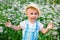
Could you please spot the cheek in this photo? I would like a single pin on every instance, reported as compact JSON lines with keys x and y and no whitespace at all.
{"x":28,"y":15}
{"x":36,"y":16}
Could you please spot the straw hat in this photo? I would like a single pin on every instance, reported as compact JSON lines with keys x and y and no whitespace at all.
{"x":34,"y":6}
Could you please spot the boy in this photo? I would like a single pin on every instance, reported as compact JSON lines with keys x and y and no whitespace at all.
{"x":31,"y":27}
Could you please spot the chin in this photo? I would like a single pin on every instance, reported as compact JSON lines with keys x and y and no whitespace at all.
{"x":33,"y":20}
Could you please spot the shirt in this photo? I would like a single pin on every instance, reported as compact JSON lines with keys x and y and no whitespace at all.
{"x":31,"y":27}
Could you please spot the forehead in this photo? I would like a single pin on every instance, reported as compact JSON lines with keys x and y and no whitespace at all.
{"x":32,"y":10}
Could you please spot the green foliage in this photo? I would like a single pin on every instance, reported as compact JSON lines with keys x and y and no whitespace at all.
{"x":13,"y":10}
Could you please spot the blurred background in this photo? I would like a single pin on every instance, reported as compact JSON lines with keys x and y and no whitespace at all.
{"x":13,"y":10}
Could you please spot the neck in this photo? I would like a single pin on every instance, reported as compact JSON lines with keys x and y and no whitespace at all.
{"x":31,"y":21}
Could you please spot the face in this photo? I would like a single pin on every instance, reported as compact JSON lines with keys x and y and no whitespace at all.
{"x":32,"y":14}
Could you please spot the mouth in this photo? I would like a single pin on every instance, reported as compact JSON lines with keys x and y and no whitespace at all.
{"x":33,"y":18}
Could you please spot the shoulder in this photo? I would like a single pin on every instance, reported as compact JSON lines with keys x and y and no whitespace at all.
{"x":39,"y":23}
{"x":23,"y":24}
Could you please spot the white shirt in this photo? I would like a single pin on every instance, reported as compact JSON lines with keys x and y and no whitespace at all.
{"x":23,"y":25}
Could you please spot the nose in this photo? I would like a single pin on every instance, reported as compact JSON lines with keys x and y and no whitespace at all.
{"x":33,"y":15}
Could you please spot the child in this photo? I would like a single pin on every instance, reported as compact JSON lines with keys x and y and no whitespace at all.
{"x":31,"y":27}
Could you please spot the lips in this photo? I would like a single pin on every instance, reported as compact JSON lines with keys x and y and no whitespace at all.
{"x":33,"y":18}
